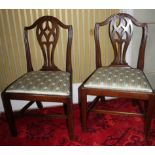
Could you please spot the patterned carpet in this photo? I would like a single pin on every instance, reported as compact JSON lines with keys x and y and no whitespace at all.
{"x":103,"y":129}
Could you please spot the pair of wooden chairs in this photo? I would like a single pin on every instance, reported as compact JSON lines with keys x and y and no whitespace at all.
{"x":53,"y":85}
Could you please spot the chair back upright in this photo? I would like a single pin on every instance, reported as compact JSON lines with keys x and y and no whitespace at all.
{"x":47,"y":32}
{"x":120,"y":33}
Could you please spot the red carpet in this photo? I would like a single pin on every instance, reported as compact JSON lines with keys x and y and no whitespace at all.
{"x":103,"y":129}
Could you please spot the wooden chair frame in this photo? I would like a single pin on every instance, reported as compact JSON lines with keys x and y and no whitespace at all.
{"x":48,"y":65}
{"x":119,"y":60}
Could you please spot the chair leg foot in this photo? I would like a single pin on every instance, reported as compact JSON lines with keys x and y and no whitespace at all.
{"x":9,"y":115}
{"x":72,"y":137}
{"x":70,"y":119}
{"x":148,"y":119}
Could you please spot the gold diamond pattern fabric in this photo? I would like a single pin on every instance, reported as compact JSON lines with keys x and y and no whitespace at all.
{"x":43,"y":82}
{"x":119,"y":78}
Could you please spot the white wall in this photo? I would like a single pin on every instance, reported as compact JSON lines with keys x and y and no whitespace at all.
{"x":148,"y":16}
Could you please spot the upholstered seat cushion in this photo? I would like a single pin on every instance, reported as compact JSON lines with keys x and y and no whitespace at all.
{"x":42,"y":82}
{"x":119,"y":78}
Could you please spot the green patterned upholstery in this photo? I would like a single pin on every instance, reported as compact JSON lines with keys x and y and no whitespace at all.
{"x":42,"y":82}
{"x":119,"y":78}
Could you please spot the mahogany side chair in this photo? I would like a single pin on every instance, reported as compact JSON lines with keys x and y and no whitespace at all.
{"x":49,"y":84}
{"x":118,"y":79}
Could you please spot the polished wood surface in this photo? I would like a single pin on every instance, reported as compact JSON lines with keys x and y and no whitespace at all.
{"x":120,"y":33}
{"x":47,"y":32}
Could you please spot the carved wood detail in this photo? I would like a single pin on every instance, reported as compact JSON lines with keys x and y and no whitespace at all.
{"x":47,"y":32}
{"x":120,"y":33}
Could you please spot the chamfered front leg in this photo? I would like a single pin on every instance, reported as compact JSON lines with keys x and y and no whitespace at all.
{"x":149,"y":115}
{"x":83,"y":108}
{"x":70,"y":118}
{"x":9,"y":114}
